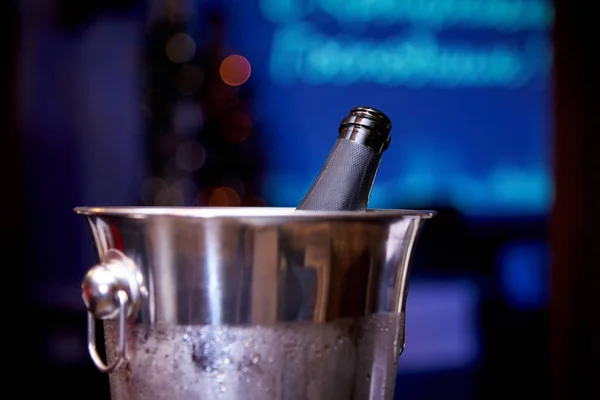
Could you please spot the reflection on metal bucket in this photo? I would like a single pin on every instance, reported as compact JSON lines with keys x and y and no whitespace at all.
{"x":250,"y":303}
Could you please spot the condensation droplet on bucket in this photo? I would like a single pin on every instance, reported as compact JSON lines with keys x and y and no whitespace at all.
{"x":227,"y":359}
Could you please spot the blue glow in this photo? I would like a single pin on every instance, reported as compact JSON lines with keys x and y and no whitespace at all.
{"x":524,"y":274}
{"x":442,"y":327}
{"x":502,"y":191}
{"x":466,"y":83}
{"x":496,"y":14}
{"x":302,"y":54}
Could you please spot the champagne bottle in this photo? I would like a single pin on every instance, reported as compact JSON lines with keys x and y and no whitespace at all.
{"x":346,"y":179}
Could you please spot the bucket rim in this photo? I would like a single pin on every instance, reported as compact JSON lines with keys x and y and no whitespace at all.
{"x":207,"y":212}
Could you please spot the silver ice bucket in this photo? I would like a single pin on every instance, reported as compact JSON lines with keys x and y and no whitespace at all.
{"x":249,"y":303}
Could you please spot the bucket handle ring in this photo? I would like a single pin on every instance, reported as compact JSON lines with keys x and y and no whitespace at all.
{"x":111,"y":290}
{"x":91,"y":334}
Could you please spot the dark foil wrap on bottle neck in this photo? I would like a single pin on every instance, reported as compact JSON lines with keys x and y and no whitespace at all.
{"x":346,"y":179}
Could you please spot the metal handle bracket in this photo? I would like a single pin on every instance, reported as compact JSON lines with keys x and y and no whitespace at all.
{"x":111,"y":290}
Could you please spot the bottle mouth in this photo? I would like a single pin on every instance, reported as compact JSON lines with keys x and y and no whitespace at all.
{"x":377,"y":119}
{"x":374,"y":124}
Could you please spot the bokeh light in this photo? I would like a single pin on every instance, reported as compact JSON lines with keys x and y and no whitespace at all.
{"x":157,"y":192}
{"x":175,"y":198}
{"x":224,"y":197}
{"x":236,"y":184}
{"x":180,"y":48}
{"x":235,"y":70}
{"x":190,"y":156}
{"x":154,"y":192}
{"x":188,"y":118}
{"x":187,"y":188}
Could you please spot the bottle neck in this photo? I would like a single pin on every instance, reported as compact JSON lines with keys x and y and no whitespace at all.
{"x":365,"y":136}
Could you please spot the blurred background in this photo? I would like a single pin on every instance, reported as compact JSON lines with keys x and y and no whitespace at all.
{"x":238,"y":102}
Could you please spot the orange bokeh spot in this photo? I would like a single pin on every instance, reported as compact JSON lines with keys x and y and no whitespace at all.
{"x":224,"y":197}
{"x":235,"y":70}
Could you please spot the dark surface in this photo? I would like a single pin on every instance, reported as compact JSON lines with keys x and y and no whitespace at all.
{"x":575,"y":228}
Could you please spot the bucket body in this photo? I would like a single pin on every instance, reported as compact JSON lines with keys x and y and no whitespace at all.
{"x":249,"y":303}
